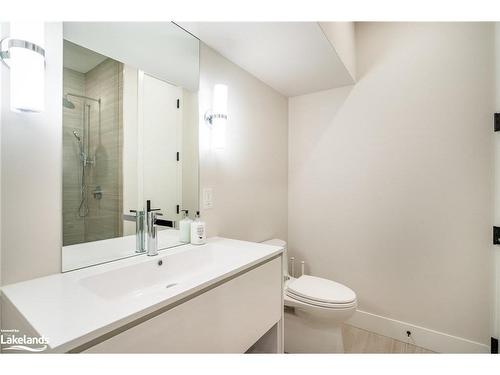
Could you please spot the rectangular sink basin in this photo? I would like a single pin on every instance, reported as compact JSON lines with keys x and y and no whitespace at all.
{"x":159,"y":272}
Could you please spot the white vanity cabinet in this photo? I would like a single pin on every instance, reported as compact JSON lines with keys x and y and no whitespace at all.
{"x":222,"y":297}
{"x":229,"y":318}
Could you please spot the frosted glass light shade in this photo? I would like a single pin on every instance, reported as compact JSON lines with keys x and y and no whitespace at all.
{"x":219,"y":106}
{"x":219,"y":119}
{"x":219,"y":134}
{"x":27,"y":69}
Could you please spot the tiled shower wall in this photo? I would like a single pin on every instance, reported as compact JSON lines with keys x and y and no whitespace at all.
{"x":73,"y":224}
{"x":105,"y":174}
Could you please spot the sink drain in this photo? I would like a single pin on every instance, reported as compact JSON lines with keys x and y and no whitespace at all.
{"x":171,"y":285}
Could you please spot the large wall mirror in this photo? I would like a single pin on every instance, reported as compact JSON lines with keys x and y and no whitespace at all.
{"x":130,"y":134}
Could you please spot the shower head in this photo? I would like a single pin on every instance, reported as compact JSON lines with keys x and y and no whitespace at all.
{"x":67,"y":103}
{"x":77,"y":136}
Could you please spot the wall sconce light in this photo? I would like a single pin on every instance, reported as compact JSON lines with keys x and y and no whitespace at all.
{"x":24,"y":55}
{"x":217,"y":117}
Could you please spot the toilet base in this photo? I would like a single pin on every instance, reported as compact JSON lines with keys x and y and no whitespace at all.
{"x":305,"y":333}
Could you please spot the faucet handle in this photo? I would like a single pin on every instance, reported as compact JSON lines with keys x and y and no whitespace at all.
{"x":148,"y":207}
{"x":152,"y":216}
{"x":136,"y":214}
{"x":154,"y":213}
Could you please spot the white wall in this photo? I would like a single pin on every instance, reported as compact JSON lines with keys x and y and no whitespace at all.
{"x":249,"y":177}
{"x":390,"y":180}
{"x":31,"y":157}
{"x":342,"y":37}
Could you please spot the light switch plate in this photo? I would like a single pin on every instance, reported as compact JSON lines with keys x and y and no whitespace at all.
{"x":208,"y":201}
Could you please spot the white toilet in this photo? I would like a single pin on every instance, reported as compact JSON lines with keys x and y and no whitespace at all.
{"x":315,"y":309}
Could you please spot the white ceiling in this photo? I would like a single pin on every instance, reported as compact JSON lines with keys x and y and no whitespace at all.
{"x":294,"y":58}
{"x":80,"y":59}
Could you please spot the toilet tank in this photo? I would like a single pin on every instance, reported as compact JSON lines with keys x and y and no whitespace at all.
{"x":280,"y":243}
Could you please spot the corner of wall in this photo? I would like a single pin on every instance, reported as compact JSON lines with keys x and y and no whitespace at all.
{"x":341,"y":36}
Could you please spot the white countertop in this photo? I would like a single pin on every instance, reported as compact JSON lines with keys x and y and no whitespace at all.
{"x":73,"y":308}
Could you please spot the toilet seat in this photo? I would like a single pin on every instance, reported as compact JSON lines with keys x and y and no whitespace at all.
{"x":321,"y":304}
{"x":321,"y":292}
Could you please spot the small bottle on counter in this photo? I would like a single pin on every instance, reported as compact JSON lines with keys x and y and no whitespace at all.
{"x":185,"y":227}
{"x":198,"y":231}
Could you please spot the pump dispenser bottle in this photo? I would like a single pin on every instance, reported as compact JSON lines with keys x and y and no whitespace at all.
{"x":198,"y":231}
{"x":185,"y":227}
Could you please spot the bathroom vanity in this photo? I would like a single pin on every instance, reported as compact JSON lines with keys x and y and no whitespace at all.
{"x":131,"y":147}
{"x":220,"y":297}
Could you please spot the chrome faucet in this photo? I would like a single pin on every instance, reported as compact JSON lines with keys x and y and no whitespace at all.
{"x":152,"y":239}
{"x":146,"y":225}
{"x":139,"y":218}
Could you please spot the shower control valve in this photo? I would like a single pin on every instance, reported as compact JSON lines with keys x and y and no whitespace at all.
{"x":97,"y":193}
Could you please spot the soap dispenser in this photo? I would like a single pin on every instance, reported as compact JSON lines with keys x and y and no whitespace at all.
{"x":185,"y":227}
{"x":198,"y":231}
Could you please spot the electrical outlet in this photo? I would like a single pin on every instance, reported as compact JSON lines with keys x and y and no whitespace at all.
{"x":208,"y":201}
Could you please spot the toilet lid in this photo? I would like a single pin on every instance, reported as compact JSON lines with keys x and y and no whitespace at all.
{"x":334,"y":306}
{"x":321,"y":290}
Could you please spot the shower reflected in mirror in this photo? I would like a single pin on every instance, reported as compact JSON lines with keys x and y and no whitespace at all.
{"x":91,"y":195}
{"x":85,"y":159}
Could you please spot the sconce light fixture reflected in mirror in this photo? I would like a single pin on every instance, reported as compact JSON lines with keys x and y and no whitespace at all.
{"x":217,"y":117}
{"x":24,"y":55}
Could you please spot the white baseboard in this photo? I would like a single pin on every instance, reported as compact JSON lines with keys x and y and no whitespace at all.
{"x":425,"y":338}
